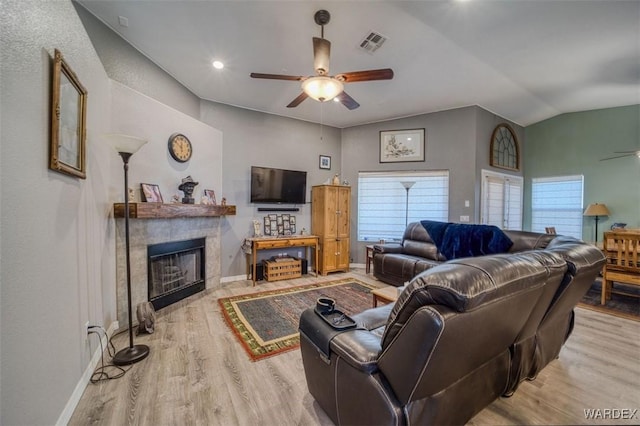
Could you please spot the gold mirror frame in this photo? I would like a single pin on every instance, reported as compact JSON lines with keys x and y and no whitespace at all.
{"x":67,"y":152}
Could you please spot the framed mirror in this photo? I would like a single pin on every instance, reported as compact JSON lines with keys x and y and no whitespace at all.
{"x":68,"y":116}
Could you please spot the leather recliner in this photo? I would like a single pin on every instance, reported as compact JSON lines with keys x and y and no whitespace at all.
{"x":460,"y":335}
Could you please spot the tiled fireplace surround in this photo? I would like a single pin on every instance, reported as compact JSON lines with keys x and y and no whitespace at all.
{"x":143,"y":232}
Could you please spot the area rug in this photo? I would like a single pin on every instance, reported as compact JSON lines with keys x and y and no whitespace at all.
{"x":619,"y":304}
{"x":266,"y":323}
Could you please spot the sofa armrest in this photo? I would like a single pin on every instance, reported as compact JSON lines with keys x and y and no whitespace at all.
{"x":359,"y":347}
{"x":387,"y":248}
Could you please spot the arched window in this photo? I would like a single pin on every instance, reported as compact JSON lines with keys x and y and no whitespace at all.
{"x":504,"y":148}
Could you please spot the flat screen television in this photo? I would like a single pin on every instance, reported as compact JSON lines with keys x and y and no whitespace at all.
{"x":269,"y":185}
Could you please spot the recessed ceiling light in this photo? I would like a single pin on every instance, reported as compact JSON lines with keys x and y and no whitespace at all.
{"x":218,"y":65}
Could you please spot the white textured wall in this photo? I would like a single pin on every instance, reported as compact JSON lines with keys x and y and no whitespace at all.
{"x":57,"y":264}
{"x":57,"y":236}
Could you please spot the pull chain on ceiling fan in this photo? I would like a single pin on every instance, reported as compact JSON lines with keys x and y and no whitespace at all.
{"x":321,"y":86}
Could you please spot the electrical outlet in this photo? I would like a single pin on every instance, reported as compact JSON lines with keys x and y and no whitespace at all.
{"x":464,"y":218}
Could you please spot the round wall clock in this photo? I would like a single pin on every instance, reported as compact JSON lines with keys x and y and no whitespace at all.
{"x":504,"y":148}
{"x":180,"y":147}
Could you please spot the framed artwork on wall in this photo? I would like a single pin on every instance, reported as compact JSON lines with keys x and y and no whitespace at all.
{"x":151,"y":193}
{"x":401,"y":146}
{"x":325,"y":162}
{"x":67,"y":151}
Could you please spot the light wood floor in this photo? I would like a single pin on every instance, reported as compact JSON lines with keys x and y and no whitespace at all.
{"x":198,"y":374}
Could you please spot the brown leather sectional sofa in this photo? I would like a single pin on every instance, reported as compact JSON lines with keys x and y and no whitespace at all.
{"x":397,"y":263}
{"x":460,"y":335}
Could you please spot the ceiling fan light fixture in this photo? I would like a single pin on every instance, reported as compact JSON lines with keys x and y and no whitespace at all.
{"x":322,"y":88}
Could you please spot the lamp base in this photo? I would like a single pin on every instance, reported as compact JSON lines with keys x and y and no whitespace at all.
{"x":131,"y":355}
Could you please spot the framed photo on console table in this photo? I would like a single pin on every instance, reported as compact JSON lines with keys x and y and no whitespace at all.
{"x":401,"y":146}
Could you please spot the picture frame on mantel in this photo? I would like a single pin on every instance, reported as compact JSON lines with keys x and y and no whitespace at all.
{"x":151,"y":193}
{"x":67,"y":150}
{"x":211,"y":195}
{"x":402,"y":146}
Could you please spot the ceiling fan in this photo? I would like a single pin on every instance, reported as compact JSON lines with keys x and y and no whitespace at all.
{"x":623,"y":154}
{"x":321,"y":86}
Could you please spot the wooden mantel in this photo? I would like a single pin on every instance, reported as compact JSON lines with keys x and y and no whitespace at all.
{"x":170,"y":211}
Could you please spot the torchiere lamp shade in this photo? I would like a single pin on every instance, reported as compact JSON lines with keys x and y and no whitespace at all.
{"x":124,"y":143}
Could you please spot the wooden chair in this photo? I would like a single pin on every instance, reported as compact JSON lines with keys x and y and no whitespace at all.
{"x":622,"y":250}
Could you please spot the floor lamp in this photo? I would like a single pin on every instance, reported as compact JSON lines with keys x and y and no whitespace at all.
{"x":407,"y":186}
{"x":126,"y":146}
{"x":596,"y":210}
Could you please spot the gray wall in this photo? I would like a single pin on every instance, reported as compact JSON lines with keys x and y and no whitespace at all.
{"x":456,"y":140}
{"x":57,"y":234}
{"x":125,"y":64}
{"x":58,"y":268}
{"x":256,"y":139}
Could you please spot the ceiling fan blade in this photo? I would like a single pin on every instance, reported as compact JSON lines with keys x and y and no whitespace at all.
{"x":347,"y":100}
{"x":618,"y":156}
{"x":301,"y":97}
{"x":352,"y":77}
{"x":626,"y":152}
{"x":277,"y":76}
{"x":321,"y":53}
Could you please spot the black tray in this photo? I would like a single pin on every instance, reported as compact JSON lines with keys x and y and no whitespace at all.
{"x":337,"y":319}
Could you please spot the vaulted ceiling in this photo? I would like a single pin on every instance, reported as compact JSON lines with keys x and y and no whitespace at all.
{"x":525,"y":60}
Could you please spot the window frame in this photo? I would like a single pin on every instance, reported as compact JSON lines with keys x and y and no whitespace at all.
{"x":397,"y":213}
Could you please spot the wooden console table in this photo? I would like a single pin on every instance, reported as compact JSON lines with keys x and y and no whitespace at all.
{"x":266,"y":243}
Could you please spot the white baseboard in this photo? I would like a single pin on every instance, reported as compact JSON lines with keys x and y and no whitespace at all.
{"x":66,"y":414}
{"x":242,"y":277}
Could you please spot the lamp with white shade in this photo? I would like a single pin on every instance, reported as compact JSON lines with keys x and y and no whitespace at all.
{"x":596,"y":210}
{"x":126,"y":146}
{"x":407,"y":185}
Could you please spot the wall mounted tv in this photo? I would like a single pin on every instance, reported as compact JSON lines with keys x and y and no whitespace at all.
{"x":278,"y":186}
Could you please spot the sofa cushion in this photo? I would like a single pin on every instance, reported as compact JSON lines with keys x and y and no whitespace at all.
{"x":464,"y":284}
{"x":525,"y":240}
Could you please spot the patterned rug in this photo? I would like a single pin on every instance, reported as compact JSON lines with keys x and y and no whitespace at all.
{"x":266,"y":323}
{"x":619,"y":305}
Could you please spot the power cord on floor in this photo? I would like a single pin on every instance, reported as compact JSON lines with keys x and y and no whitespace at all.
{"x":102,"y":373}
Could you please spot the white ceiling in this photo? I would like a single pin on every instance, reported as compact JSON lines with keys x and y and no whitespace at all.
{"x":525,"y":60}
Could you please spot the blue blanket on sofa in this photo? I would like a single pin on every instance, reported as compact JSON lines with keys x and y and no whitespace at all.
{"x":455,"y":240}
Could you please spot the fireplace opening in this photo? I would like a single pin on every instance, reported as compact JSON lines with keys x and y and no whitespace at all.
{"x":176,"y":271}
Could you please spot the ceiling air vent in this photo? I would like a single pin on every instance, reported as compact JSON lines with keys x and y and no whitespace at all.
{"x":372,"y":42}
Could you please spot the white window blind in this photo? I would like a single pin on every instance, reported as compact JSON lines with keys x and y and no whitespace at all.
{"x":557,"y":201}
{"x":383,"y":201}
{"x":501,"y":200}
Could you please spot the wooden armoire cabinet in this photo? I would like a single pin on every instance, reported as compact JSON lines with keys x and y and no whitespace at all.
{"x":330,"y":221}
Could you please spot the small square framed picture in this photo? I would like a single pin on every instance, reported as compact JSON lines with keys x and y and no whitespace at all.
{"x":151,"y":193}
{"x":325,"y":162}
{"x":211,"y":196}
